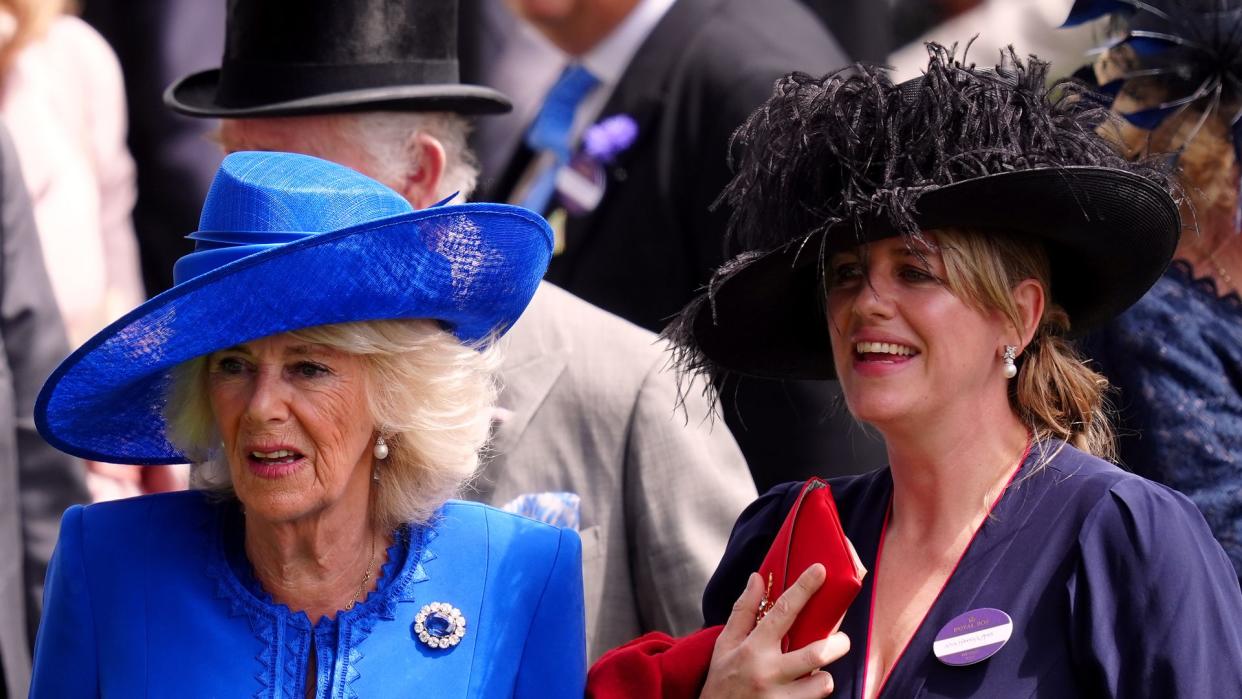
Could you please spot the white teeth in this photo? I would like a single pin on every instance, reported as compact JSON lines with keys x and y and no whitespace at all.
{"x":883,"y":348}
{"x":278,"y":454}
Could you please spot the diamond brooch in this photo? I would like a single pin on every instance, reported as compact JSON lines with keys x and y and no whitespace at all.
{"x":439,"y":625}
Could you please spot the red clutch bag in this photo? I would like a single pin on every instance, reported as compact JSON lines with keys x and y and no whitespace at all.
{"x":812,"y":534}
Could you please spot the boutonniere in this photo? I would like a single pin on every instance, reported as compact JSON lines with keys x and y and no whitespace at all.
{"x":607,"y":139}
{"x":580,"y":184}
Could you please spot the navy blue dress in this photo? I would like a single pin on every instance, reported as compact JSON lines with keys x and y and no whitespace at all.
{"x":1176,"y":358}
{"x":1114,"y":583}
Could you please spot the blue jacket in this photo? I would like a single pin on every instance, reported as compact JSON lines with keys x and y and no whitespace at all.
{"x":153,"y":597}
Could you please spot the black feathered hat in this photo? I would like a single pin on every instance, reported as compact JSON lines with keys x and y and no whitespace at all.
{"x":287,"y":57}
{"x":829,"y":163}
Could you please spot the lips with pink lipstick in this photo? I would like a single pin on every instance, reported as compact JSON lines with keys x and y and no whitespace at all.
{"x":274,"y":461}
{"x":878,"y":357}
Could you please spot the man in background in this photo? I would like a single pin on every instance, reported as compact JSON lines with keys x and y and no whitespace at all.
{"x":625,"y":153}
{"x":588,"y":435}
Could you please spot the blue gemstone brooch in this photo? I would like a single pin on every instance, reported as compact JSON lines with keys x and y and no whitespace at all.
{"x":439,"y":625}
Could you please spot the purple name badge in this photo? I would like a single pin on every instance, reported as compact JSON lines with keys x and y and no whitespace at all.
{"x":580,"y":185}
{"x":974,"y":636}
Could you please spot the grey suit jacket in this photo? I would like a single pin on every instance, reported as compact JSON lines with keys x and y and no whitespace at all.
{"x":37,"y":482}
{"x":592,"y":411}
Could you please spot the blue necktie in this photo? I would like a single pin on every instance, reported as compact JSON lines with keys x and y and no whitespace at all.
{"x":551,"y":128}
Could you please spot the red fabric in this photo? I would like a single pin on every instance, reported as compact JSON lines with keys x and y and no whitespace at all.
{"x":655,"y":666}
{"x":658,"y":666}
{"x":811,"y":534}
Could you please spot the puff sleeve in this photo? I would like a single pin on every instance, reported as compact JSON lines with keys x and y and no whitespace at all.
{"x":1156,"y":606}
{"x":554,"y":658}
{"x":66,"y":658}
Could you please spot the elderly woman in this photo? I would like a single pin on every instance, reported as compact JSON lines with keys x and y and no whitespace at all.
{"x":931,"y":244}
{"x":325,"y":362}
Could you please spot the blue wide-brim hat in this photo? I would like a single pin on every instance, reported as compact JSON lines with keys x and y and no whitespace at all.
{"x":287,"y":242}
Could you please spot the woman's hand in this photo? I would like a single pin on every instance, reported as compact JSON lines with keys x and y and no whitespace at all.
{"x":748,"y":662}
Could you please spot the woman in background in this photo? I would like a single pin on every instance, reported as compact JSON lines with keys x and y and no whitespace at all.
{"x":63,"y":99}
{"x":1176,"y":356}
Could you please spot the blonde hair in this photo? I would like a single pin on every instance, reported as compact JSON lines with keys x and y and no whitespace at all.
{"x":1055,"y":393}
{"x":28,"y":21}
{"x":430,"y":396}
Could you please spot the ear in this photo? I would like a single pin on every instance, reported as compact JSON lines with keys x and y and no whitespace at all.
{"x":421,"y":184}
{"x":1029,"y":298}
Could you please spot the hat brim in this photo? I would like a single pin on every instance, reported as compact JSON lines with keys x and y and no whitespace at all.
{"x":473,"y":267}
{"x":1109,"y":234}
{"x":196,"y":95}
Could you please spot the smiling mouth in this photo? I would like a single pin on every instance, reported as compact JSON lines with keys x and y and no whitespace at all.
{"x":883,"y":351}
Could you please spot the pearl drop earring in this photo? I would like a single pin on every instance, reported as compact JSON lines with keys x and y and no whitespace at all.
{"x":381,"y":448}
{"x":1010,"y":369}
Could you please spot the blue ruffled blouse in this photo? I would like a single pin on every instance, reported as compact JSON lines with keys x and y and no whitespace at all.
{"x":154,"y":597}
{"x":1176,"y":358}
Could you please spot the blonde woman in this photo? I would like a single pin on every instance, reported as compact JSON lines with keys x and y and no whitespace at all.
{"x":932,"y":245}
{"x":325,"y":361}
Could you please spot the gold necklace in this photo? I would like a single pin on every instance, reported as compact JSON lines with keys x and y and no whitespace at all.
{"x":366,"y":578}
{"x":1221,"y":273}
{"x":1208,"y":258}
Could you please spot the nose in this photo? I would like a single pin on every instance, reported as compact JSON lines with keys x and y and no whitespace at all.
{"x":269,"y":398}
{"x":874,"y":299}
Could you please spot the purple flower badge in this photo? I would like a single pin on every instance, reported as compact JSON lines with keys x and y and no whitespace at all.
{"x":580,"y":185}
{"x":604,"y":141}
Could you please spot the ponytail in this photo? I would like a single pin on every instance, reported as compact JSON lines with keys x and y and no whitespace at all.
{"x":1056,"y":395}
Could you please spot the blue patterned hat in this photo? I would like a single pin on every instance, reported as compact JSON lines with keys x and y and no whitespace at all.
{"x":286,"y":242}
{"x":1190,"y":49}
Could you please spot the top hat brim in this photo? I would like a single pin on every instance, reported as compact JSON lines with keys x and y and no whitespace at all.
{"x":1109,"y":234}
{"x":472,"y":267}
{"x":197,"y":95}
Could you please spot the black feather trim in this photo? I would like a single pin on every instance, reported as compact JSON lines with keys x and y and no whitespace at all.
{"x":851,"y":151}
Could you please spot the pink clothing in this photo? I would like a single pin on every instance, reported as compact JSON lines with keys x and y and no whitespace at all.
{"x":64,"y":102}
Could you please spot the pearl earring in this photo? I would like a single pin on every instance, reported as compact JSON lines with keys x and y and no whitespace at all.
{"x":1010,"y":370}
{"x":381,"y":448}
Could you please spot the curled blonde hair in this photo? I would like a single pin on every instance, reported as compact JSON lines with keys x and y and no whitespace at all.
{"x":1055,"y":394}
{"x":430,"y":396}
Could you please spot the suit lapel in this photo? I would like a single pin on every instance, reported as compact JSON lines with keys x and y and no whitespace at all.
{"x":502,"y":189}
{"x":526,"y":381}
{"x":642,"y":90}
{"x":646,"y":77}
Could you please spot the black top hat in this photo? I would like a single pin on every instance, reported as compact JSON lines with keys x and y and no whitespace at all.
{"x":287,"y":57}
{"x":829,"y":163}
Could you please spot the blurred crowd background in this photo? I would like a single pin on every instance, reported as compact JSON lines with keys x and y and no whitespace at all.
{"x":110,"y":103}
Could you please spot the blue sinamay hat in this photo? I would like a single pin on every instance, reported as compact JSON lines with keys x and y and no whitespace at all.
{"x":286,"y":242}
